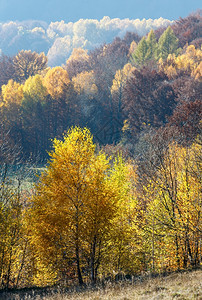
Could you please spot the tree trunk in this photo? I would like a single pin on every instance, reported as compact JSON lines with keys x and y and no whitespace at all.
{"x":22,"y":264}
{"x":177,"y":251}
{"x":93,"y":279}
{"x":79,"y":275}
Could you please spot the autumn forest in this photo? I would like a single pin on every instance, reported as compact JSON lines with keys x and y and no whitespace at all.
{"x":100,"y":160}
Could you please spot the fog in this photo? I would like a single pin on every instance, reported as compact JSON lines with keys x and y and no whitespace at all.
{"x":58,"y":39}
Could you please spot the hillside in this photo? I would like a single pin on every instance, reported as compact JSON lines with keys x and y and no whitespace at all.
{"x":186,"y":285}
{"x":100,"y":158}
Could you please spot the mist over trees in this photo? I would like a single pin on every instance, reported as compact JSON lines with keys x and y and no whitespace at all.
{"x":114,"y":135}
{"x":117,"y":90}
{"x":58,"y":39}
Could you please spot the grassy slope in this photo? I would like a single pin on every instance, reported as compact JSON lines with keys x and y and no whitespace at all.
{"x":176,"y":286}
{"x":186,"y":285}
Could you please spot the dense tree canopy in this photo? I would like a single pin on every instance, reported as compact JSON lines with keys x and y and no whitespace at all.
{"x":120,"y":194}
{"x":27,"y":63}
{"x":77,"y":187}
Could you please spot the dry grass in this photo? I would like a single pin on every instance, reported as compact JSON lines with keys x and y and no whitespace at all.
{"x":186,"y":285}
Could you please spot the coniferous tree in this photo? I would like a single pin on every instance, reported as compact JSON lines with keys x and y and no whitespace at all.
{"x":139,"y":57}
{"x":152,"y":45}
{"x":168,"y":43}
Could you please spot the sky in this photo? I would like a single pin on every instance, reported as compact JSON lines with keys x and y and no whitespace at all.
{"x":73,"y":10}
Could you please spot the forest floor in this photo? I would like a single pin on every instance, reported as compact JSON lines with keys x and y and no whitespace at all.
{"x":181,"y":286}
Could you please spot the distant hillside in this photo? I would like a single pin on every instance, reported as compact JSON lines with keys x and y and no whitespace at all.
{"x":58,"y":39}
